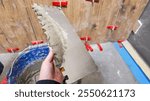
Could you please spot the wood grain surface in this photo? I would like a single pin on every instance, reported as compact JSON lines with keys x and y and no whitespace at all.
{"x":19,"y":25}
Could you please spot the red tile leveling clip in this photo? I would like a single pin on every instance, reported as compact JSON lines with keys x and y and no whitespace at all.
{"x":86,"y":38}
{"x":112,"y":27}
{"x":37,"y":42}
{"x":12,"y":50}
{"x":60,"y":3}
{"x":100,"y":47}
{"x":120,"y":43}
{"x":87,"y":46}
{"x":4,"y":80}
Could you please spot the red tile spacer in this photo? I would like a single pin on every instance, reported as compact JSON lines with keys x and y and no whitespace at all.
{"x":86,"y":38}
{"x":37,"y":42}
{"x":100,"y":47}
{"x":88,"y":47}
{"x":4,"y":81}
{"x":120,"y":43}
{"x":112,"y":27}
{"x":62,"y":3}
{"x":11,"y":50}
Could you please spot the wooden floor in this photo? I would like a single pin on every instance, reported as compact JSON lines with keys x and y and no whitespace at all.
{"x":19,"y":25}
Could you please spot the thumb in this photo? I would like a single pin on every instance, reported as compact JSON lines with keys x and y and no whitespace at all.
{"x":50,"y":56}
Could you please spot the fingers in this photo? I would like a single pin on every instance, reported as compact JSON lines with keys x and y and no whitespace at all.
{"x":48,"y":70}
{"x":58,"y":76}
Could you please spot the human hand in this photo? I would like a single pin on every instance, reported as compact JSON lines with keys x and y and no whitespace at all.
{"x":49,"y":71}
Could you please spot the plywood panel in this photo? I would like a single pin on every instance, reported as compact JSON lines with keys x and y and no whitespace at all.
{"x":92,"y":20}
{"x":19,"y":25}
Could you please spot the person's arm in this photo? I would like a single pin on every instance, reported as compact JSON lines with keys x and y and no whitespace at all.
{"x":48,"y":73}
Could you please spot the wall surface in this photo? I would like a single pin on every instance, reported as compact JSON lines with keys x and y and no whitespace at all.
{"x":141,"y":40}
{"x":19,"y":25}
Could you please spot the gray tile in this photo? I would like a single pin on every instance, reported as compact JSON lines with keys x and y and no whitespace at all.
{"x":112,"y":69}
